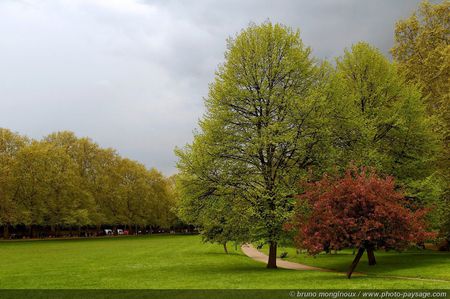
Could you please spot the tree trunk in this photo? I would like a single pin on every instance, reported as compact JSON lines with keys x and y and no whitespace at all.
{"x":355,"y":261}
{"x":6,"y":231}
{"x":272,"y":263}
{"x":225,"y":247}
{"x":371,"y":256}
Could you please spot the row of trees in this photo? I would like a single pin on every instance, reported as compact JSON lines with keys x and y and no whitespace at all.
{"x":277,"y":116}
{"x":63,"y":181}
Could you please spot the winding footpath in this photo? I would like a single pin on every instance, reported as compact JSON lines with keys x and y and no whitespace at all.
{"x":257,"y":255}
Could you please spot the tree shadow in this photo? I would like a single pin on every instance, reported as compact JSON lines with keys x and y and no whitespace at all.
{"x":400,"y":264}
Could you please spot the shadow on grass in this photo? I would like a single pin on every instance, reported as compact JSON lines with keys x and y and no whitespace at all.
{"x":420,"y":264}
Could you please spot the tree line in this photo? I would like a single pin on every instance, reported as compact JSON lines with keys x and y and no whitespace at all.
{"x":65,"y":182}
{"x":277,"y":116}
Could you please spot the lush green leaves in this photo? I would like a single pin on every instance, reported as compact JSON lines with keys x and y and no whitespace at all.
{"x":65,"y":181}
{"x":273,"y":113}
{"x":263,"y":127}
{"x":379,"y":120}
{"x":422,"y":52}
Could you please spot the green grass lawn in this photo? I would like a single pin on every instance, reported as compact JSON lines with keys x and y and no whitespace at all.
{"x":412,"y":263}
{"x":164,"y":262}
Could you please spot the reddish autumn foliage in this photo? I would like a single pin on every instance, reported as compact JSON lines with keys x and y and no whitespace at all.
{"x":358,"y":210}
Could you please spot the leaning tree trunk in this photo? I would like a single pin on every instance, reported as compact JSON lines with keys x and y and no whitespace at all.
{"x":225,"y":247}
{"x":355,"y":261}
{"x":272,"y":263}
{"x":371,"y":256}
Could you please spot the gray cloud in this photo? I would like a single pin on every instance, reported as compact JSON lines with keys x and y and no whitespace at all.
{"x":131,"y":74}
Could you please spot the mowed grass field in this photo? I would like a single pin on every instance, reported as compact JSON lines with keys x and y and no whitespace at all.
{"x":173,"y":261}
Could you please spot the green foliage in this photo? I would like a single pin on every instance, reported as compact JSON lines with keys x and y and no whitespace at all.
{"x":10,"y":144}
{"x":49,"y":186}
{"x":263,"y":128}
{"x":273,"y":113}
{"x":66,"y":181}
{"x":422,"y":53}
{"x":205,"y":201}
{"x":379,"y":120}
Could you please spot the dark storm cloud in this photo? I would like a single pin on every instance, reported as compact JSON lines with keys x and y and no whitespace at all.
{"x":131,"y":74}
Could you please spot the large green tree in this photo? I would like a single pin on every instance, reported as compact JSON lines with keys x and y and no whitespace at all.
{"x":422,"y":52}
{"x":379,"y":120}
{"x":263,"y":127}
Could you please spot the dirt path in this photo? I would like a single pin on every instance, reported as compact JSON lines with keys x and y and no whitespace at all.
{"x":255,"y":254}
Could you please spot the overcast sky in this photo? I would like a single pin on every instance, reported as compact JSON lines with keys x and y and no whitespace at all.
{"x":131,"y":74}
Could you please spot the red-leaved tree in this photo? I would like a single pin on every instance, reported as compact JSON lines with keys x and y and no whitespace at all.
{"x":359,"y":210}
